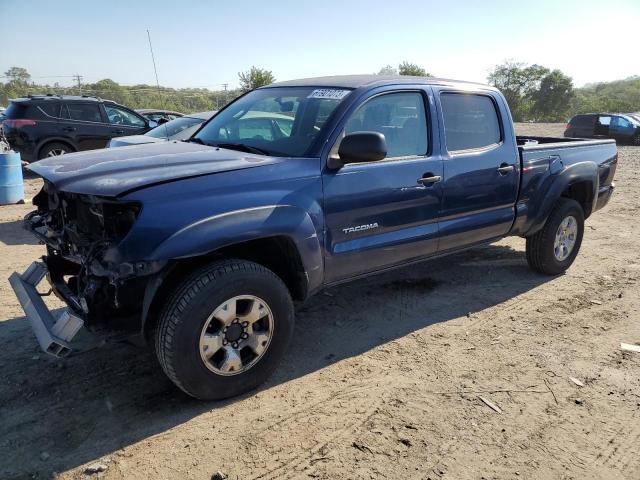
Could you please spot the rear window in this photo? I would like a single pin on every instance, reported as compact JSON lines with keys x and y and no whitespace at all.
{"x":582,"y":120}
{"x":470,"y":121}
{"x":16,"y":110}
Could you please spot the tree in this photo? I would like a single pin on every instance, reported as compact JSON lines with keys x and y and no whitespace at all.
{"x":18,"y":75}
{"x":254,"y":78}
{"x":388,"y":70}
{"x":517,"y":82}
{"x":406,"y":68}
{"x":552,"y":100}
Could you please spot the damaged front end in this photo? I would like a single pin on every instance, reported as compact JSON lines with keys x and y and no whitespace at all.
{"x":85,"y":264}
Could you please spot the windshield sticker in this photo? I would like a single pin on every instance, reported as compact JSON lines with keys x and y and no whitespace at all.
{"x":330,"y":93}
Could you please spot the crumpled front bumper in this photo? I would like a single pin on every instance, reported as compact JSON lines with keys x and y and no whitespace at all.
{"x":53,"y":333}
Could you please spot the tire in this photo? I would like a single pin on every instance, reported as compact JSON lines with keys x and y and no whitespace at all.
{"x":195,"y":313}
{"x":542,"y":254}
{"x":54,"y":149}
{"x":636,"y":140}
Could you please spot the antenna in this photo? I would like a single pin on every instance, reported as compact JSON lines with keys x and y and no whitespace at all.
{"x":155,"y":70}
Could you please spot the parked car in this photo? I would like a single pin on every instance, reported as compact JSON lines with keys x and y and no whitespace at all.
{"x":160,"y":116}
{"x":43,"y":126}
{"x":622,"y":127}
{"x":179,"y":129}
{"x":201,"y":247}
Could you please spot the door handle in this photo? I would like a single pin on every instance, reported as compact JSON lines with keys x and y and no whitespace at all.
{"x":505,"y":168}
{"x":117,"y":131}
{"x":69,"y":129}
{"x":429,"y":179}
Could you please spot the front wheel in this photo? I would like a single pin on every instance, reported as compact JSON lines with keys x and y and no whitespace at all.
{"x":554,"y":248}
{"x":225,"y":329}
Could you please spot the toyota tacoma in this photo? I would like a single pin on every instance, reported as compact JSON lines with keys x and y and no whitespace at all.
{"x":200,"y":247}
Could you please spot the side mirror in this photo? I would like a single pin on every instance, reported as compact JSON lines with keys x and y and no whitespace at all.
{"x":360,"y":147}
{"x":153,"y":124}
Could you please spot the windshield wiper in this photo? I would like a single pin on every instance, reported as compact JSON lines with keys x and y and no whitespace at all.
{"x":195,"y":140}
{"x":242,"y":147}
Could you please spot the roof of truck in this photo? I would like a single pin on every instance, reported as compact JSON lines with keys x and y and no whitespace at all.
{"x":356,"y":81}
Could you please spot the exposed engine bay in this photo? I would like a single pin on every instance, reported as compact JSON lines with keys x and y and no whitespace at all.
{"x":85,"y":267}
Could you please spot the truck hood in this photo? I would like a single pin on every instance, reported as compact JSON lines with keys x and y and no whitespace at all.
{"x":116,"y":171}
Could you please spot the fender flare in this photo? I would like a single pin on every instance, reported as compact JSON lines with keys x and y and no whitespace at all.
{"x":231,"y":228}
{"x":546,"y":198}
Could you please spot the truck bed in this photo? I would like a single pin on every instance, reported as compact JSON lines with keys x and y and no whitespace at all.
{"x":544,"y":159}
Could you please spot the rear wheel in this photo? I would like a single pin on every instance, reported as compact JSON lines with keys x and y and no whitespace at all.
{"x":54,"y":149}
{"x":225,"y":329}
{"x":554,"y":248}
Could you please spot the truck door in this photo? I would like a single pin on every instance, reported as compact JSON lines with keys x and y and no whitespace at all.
{"x":481,"y":167}
{"x":384,"y":213}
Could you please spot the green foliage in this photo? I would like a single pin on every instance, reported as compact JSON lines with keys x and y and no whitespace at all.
{"x":518,"y":83}
{"x":388,"y":70}
{"x":185,"y":100}
{"x":254,"y":78}
{"x":18,"y":74}
{"x":406,"y":68}
{"x":552,"y":99}
{"x":618,"y":96}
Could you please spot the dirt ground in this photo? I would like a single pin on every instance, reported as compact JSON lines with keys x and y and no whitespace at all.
{"x":383,"y":379}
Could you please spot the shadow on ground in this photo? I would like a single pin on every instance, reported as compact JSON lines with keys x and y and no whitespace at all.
{"x":12,"y":233}
{"x":105,"y":398}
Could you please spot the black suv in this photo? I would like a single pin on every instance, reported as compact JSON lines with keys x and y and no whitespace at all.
{"x":622,"y":127}
{"x":49,"y":125}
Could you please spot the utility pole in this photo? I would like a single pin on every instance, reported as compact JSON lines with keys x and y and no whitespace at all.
{"x":79,"y":80}
{"x":225,"y":85}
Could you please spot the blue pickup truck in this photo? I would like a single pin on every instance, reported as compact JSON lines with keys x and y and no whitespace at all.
{"x":200,"y":247}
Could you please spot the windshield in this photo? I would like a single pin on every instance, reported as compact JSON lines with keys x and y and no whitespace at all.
{"x":176,"y":129}
{"x":279,"y":121}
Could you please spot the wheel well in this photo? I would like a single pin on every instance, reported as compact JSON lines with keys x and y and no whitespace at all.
{"x":279,"y":254}
{"x":581,"y":192}
{"x":49,"y":142}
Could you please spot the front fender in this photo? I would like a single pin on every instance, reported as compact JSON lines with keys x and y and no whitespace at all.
{"x":229,"y":228}
{"x":540,"y":195}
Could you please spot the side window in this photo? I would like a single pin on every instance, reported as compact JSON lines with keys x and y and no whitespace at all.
{"x":120,"y":116}
{"x":606,"y":121}
{"x":87,"y":112}
{"x":470,"y":121}
{"x":620,"y":122}
{"x":49,"y":109}
{"x":400,"y":117}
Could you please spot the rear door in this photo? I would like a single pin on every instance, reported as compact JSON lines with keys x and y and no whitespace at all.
{"x":602,"y":126}
{"x":124,"y":122}
{"x":481,"y":167}
{"x":84,"y":124}
{"x":378,"y":214}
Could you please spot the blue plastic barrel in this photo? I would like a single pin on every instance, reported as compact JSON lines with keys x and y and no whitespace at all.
{"x":11,"y":184}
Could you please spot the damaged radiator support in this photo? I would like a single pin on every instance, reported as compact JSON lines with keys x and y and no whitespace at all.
{"x":52,"y":333}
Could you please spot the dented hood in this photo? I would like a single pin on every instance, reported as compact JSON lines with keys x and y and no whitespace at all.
{"x":115,"y":171}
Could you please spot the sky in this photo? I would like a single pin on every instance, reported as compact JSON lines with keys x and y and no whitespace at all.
{"x":206,"y":43}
